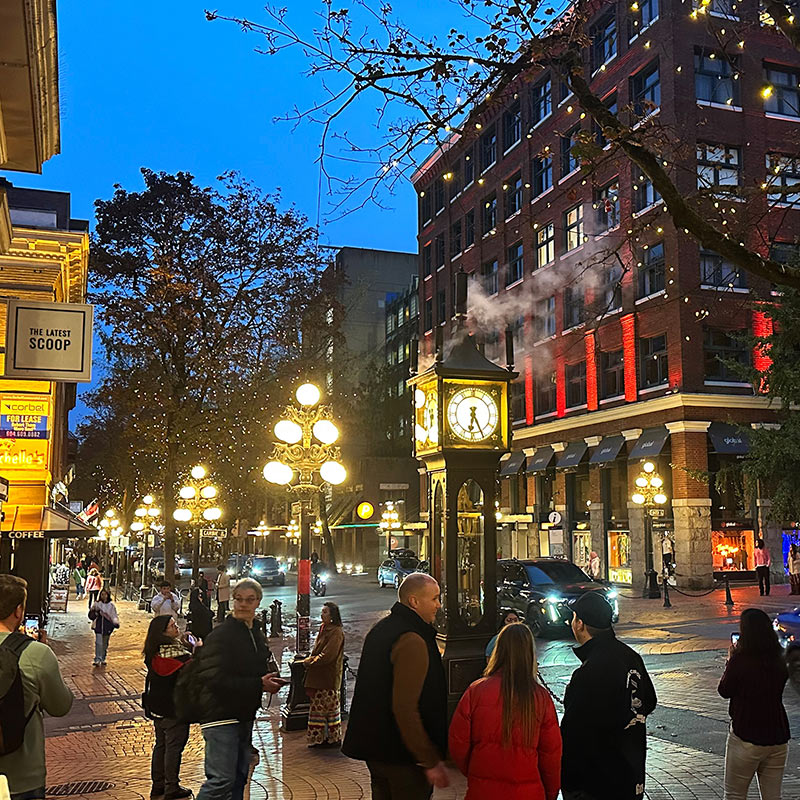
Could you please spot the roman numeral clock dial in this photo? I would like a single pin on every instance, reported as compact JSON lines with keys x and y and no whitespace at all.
{"x":473,"y":414}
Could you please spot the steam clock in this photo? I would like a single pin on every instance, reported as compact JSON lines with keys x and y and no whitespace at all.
{"x":461,"y":430}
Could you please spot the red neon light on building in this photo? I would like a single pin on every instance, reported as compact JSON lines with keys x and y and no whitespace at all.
{"x":528,"y":390}
{"x":762,"y":326}
{"x":591,"y":372}
{"x":629,"y":356}
{"x":561,"y":387}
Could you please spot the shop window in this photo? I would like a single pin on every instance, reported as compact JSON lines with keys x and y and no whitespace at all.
{"x":619,"y":557}
{"x":543,"y":486}
{"x":713,"y":78}
{"x":653,"y":360}
{"x":732,"y":550}
{"x":615,"y":492}
{"x":651,"y":270}
{"x":722,"y":351}
{"x":578,"y":497}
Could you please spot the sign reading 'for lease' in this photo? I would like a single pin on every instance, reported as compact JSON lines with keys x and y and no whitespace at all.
{"x":49,"y":341}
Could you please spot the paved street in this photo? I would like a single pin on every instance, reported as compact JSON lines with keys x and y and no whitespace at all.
{"x":106,"y":739}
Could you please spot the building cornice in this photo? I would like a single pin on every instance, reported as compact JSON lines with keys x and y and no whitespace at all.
{"x":688,"y":426}
{"x":630,"y":411}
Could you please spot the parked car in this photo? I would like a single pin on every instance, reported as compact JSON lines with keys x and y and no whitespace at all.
{"x":787,"y":626}
{"x":266,"y":570}
{"x":235,"y":565}
{"x":185,"y":561}
{"x":539,"y":590}
{"x":399,"y":564}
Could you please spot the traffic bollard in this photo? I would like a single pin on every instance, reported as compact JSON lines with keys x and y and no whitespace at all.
{"x":728,"y":598}
{"x":276,"y":620}
{"x":667,"y":603}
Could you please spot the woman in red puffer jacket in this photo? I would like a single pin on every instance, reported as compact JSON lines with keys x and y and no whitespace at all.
{"x":504,"y":735}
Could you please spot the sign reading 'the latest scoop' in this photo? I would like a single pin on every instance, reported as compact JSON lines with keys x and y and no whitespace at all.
{"x":49,"y":341}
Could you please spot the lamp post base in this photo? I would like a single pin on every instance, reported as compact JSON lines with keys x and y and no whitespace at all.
{"x":294,"y":714}
{"x":651,"y":586}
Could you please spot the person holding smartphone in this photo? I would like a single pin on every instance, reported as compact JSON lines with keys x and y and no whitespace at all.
{"x":165,"y":655}
{"x":753,"y":682}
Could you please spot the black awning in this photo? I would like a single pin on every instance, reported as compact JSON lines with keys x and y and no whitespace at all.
{"x":650,"y":443}
{"x":607,"y":450}
{"x":513,"y":464}
{"x":540,"y":459}
{"x":729,"y":439}
{"x":572,"y":455}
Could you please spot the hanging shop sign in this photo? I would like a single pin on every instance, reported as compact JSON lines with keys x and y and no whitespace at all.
{"x":24,"y":417}
{"x":213,"y":533}
{"x":49,"y":341}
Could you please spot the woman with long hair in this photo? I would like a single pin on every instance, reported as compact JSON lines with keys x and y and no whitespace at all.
{"x":324,"y":679}
{"x":165,"y":655}
{"x":105,"y":620}
{"x":93,"y":585}
{"x":753,"y":681}
{"x":793,"y":567}
{"x":509,"y":617}
{"x":504,"y":735}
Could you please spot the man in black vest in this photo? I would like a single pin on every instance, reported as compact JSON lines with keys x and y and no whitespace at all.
{"x":398,"y":717}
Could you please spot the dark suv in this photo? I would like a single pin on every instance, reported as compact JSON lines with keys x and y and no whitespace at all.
{"x":539,"y":589}
{"x":265,"y":569}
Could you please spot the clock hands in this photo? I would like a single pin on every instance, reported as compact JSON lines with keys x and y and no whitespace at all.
{"x":473,"y":420}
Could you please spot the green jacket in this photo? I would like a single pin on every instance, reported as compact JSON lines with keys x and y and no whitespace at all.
{"x":44,"y":687}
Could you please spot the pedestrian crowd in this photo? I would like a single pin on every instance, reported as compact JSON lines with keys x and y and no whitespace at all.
{"x":504,"y":735}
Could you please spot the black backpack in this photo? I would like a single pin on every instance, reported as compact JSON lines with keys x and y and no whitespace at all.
{"x":187,"y":693}
{"x":12,"y":697}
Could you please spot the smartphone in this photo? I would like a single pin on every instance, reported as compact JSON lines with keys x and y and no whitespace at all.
{"x":191,"y":639}
{"x":735,"y":637}
{"x":32,"y":627}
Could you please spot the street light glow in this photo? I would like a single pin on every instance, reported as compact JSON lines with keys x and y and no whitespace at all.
{"x":182,"y":514}
{"x":333,"y":472}
{"x":641,"y":482}
{"x":137,"y":526}
{"x":278,"y":473}
{"x":212,"y":514}
{"x":307,"y":394}
{"x":288,"y":431}
{"x":656,"y":482}
{"x":660,"y":499}
{"x":153,"y":512}
{"x":187,"y":492}
{"x":638,"y":498}
{"x":325,"y":431}
{"x":208,"y":492}
{"x":649,"y":466}
{"x":148,"y":499}
{"x":198,"y":472}
{"x":140,"y":512}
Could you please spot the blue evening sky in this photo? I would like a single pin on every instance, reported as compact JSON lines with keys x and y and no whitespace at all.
{"x":152,"y":83}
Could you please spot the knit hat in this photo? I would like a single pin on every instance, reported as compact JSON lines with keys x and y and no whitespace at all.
{"x":593,"y":609}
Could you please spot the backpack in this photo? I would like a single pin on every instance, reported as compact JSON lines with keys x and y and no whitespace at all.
{"x":187,"y":693}
{"x":12,"y":698}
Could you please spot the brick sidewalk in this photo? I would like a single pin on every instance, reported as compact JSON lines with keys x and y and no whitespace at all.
{"x":106,"y":738}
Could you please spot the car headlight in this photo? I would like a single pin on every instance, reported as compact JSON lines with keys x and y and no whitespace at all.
{"x":359,"y":568}
{"x":256,"y":571}
{"x":324,"y":577}
{"x":611,"y":594}
{"x":282,"y":567}
{"x":554,"y":599}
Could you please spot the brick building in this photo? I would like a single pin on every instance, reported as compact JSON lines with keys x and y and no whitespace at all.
{"x":624,"y":328}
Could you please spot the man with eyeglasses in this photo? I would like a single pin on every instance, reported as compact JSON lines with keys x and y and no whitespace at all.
{"x":232,"y":675}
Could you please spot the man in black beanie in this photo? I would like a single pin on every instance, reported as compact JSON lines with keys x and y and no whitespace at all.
{"x":607,"y":700}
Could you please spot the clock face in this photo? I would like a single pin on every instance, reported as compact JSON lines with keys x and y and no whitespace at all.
{"x":473,"y":414}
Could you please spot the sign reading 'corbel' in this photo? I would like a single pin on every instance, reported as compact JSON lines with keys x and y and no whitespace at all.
{"x":49,"y":341}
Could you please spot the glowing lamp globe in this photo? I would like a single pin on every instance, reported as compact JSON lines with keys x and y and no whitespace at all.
{"x":211,"y":514}
{"x":187,"y":492}
{"x":656,"y":482}
{"x":325,"y":431}
{"x":660,"y":499}
{"x":278,"y":473}
{"x":110,"y":512}
{"x":182,"y":514}
{"x":307,"y":394}
{"x":288,"y":431}
{"x":137,"y":526}
{"x":208,"y":492}
{"x":147,"y":499}
{"x":649,"y":467}
{"x":140,"y":512}
{"x":153,"y":512}
{"x":333,"y":472}
{"x":198,"y":472}
{"x":638,"y":498}
{"x":641,"y":482}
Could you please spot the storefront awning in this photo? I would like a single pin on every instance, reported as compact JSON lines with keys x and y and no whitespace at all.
{"x":650,"y":443}
{"x":728,"y":439}
{"x":513,"y":464}
{"x":607,"y":450}
{"x":43,"y":522}
{"x":541,"y":459}
{"x":572,"y":455}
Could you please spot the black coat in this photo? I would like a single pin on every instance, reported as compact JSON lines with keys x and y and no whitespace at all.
{"x":201,"y":617}
{"x":603,"y":728}
{"x":372,"y":733}
{"x":228,"y":673}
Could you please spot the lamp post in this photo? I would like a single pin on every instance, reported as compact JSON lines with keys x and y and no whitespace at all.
{"x":390,"y":522}
{"x":109,"y":526}
{"x":197,"y":503}
{"x":147,"y":518}
{"x":649,"y":493}
{"x":304,"y":460}
{"x":293,"y":536}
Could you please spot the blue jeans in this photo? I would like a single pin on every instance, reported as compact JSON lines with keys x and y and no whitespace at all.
{"x":100,"y":647}
{"x":227,"y":761}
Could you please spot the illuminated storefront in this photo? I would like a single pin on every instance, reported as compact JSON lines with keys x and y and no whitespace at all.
{"x":732,"y":548}
{"x":619,"y":557}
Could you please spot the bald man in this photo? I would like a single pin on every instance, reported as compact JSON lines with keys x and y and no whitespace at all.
{"x":398,"y":718}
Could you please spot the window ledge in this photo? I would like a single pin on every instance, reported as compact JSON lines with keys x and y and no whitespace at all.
{"x":646,"y":209}
{"x":602,"y":67}
{"x":540,"y":196}
{"x":720,"y":15}
{"x":607,"y":314}
{"x":569,"y":175}
{"x":440,"y":211}
{"x":651,"y":389}
{"x":484,"y":171}
{"x":722,"y":106}
{"x":546,"y":339}
{"x":573,"y":328}
{"x":427,"y":277}
{"x":515,"y":214}
{"x":456,"y":255}
{"x":733,"y":384}
{"x":467,"y":185}
{"x":734,"y":289}
{"x":647,"y":118}
{"x":508,"y":150}
{"x":543,"y":119}
{"x":439,"y":269}
{"x":543,"y":267}
{"x":545,"y":416}
{"x":579,"y":407}
{"x":568,"y":97}
{"x":615,"y":399}
{"x":570,"y":253}
{"x":468,"y":248}
{"x":606,"y":232}
{"x":785,"y":117}
{"x":653,"y":296}
{"x":456,"y":196}
{"x":642,"y":30}
{"x":516,"y":283}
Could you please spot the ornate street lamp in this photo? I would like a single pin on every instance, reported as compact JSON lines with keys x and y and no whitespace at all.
{"x":304,"y":460}
{"x":197,"y":504}
{"x":649,"y":493}
{"x":390,"y":523}
{"x":147,"y":523}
